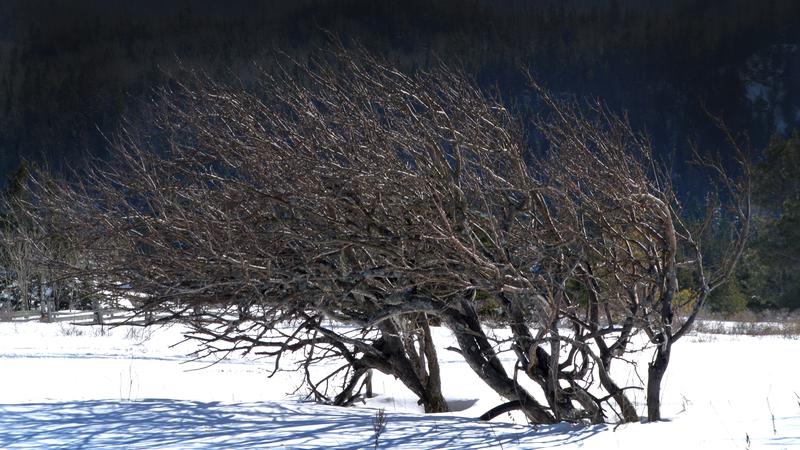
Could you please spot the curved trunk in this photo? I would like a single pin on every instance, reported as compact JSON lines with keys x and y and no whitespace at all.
{"x":541,"y":367}
{"x":483,"y":360}
{"x":501,"y":409}
{"x":349,"y":394}
{"x":627,"y":410}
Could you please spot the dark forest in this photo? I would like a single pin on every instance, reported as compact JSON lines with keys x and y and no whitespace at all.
{"x":71,"y":73}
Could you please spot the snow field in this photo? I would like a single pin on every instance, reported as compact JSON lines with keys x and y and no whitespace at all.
{"x":69,"y":387}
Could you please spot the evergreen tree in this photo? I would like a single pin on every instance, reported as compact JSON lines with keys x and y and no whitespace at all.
{"x":772,"y":268}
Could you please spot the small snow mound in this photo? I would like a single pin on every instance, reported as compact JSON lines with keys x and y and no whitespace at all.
{"x":461,"y":404}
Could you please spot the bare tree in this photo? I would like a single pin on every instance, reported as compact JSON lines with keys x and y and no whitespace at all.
{"x":19,"y":266}
{"x":623,"y":221}
{"x":343,"y":191}
{"x":24,"y":247}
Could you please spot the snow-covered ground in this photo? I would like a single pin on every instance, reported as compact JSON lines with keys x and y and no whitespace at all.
{"x":72,"y":387}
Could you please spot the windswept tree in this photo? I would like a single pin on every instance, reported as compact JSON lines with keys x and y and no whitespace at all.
{"x":360,"y":205}
{"x":617,"y":213}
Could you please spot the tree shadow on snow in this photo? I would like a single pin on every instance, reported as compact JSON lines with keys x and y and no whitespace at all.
{"x":158,"y":423}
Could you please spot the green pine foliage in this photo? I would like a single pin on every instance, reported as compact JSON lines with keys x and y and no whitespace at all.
{"x":770,"y":271}
{"x":728,"y":298}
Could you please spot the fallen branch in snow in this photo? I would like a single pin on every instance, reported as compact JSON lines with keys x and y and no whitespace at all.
{"x":501,"y":409}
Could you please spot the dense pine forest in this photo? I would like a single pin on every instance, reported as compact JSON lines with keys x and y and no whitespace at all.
{"x":71,"y":73}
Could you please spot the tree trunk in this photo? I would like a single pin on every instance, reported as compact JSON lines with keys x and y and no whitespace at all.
{"x":349,"y":394}
{"x":541,"y":366}
{"x":626,"y":409}
{"x":434,"y":379}
{"x":98,"y":313}
{"x":655,"y":374}
{"x":368,"y":384}
{"x":44,"y":304}
{"x":483,"y":360}
{"x":400,"y":363}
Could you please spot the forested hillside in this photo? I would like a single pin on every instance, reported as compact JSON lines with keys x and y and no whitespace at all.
{"x":69,"y":71}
